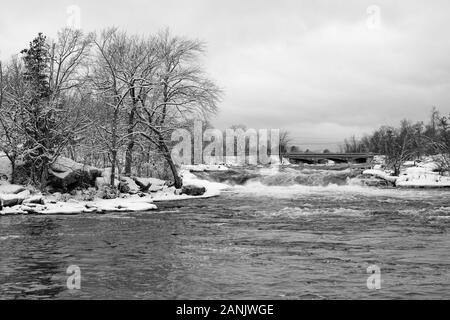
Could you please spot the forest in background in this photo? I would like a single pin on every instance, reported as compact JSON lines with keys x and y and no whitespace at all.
{"x":408,"y":142}
{"x":106,"y":99}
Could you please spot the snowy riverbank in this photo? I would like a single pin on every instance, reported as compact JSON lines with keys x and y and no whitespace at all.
{"x":422,"y":174}
{"x":17,"y":199}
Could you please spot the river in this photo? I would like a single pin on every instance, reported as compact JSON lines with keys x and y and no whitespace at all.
{"x":295,"y":234}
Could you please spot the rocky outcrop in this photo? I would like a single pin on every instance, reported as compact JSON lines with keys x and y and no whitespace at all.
{"x":78,"y":207}
{"x":192,"y":190}
{"x":370,"y":181}
{"x":11,"y":188}
{"x":66,"y":175}
{"x":38,"y":199}
{"x":128,"y":185}
{"x":12,"y":199}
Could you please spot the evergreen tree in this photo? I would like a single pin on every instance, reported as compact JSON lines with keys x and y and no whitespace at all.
{"x":37,"y":65}
{"x":40,"y":117}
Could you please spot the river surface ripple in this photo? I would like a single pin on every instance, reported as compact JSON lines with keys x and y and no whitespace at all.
{"x":260,"y":242}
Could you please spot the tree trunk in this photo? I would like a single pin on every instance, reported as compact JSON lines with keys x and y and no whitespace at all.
{"x":113,"y":167}
{"x":12,"y":159}
{"x":178,"y":182}
{"x":129,"y":158}
{"x":13,"y":169}
{"x":130,"y":146}
{"x":114,"y":126}
{"x":44,"y":175}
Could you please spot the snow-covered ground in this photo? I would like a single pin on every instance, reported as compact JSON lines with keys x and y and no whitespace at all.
{"x":48,"y":206}
{"x":379,"y":173}
{"x":414,"y":174}
{"x":17,"y":199}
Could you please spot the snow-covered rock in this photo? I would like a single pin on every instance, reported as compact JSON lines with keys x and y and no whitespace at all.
{"x":193,"y":190}
{"x":11,"y":188}
{"x":129,"y":184}
{"x":37,"y":199}
{"x":12,"y":210}
{"x":155,"y":188}
{"x":381,"y":174}
{"x":421,"y":175}
{"x":124,"y":205}
{"x":66,"y":174}
{"x":11,"y":199}
{"x":72,"y":207}
{"x":212,"y":188}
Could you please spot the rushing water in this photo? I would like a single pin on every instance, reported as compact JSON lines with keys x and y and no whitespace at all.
{"x":295,"y":234}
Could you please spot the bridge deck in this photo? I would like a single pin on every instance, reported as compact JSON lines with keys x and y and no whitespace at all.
{"x":331,"y":156}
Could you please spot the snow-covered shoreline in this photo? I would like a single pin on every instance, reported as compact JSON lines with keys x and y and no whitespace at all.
{"x":414,"y":175}
{"x":16,"y":199}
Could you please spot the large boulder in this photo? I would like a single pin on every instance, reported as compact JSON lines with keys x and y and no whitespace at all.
{"x":193,"y":190}
{"x":13,"y":199}
{"x":128,"y":185}
{"x":37,"y":199}
{"x":11,"y":188}
{"x":66,"y":175}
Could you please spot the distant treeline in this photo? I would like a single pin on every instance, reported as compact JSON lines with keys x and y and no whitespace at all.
{"x":409,"y":141}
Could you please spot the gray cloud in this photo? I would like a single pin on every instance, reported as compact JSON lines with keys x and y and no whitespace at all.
{"x":312,"y":67}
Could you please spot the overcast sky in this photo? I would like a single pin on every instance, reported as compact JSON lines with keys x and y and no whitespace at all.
{"x":323,"y":70}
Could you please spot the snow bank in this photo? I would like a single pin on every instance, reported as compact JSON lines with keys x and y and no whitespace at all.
{"x":131,"y":204}
{"x":422,"y":177}
{"x":381,"y":174}
{"x":73,"y":207}
{"x":415,"y":174}
{"x":21,"y":203}
{"x":18,"y":200}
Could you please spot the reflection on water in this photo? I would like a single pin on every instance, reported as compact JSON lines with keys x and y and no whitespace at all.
{"x":254,"y":241}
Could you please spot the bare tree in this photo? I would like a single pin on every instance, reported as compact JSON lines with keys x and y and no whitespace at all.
{"x":285,"y":140}
{"x":398,"y":147}
{"x":139,"y":75}
{"x":183,"y":91}
{"x":12,"y":94}
{"x":441,"y":143}
{"x":112,"y":89}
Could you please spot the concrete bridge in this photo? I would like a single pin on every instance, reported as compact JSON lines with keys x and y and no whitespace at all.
{"x":336,"y":157}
